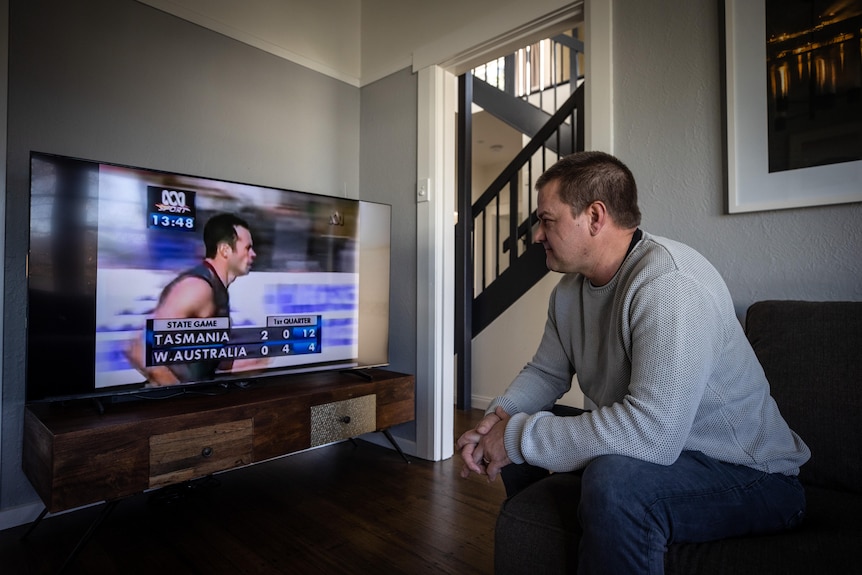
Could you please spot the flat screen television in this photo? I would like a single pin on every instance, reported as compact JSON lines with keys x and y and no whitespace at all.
{"x":125,"y":298}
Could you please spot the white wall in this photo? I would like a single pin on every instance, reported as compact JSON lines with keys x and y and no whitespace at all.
{"x":502,"y":349}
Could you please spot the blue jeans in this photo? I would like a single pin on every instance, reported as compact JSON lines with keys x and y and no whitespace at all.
{"x":631,"y":510}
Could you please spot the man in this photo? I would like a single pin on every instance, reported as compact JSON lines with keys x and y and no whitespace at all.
{"x":202,"y":292}
{"x":685,"y":442}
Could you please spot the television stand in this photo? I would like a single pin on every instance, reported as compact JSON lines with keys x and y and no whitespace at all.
{"x":100,"y":407}
{"x":75,"y":456}
{"x":394,"y":443}
{"x":361,"y":373}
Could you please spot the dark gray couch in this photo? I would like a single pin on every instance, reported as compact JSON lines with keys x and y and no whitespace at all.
{"x":812,"y":355}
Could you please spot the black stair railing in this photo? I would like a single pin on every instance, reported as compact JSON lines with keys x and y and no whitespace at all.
{"x":499,"y":284}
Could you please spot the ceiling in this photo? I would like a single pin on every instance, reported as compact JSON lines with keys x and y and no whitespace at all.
{"x":493,"y":141}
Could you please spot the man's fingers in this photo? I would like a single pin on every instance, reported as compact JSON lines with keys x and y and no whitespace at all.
{"x":468,"y":437}
{"x":492,"y":470}
{"x":470,"y":460}
{"x":487,"y":423}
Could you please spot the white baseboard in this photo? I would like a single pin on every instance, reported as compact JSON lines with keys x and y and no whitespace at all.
{"x":15,"y":516}
{"x":480,"y":402}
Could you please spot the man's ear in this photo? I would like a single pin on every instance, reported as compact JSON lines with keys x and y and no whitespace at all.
{"x":597,"y":213}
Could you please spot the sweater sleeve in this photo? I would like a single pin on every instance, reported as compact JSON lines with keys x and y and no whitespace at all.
{"x":673,"y":330}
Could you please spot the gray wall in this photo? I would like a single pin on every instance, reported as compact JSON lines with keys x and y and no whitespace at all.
{"x":668,"y":128}
{"x":388,"y":174}
{"x":118,"y":81}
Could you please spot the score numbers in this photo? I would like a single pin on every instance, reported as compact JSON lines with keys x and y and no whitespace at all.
{"x":283,"y":335}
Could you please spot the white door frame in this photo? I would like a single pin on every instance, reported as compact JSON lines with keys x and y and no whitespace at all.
{"x":435,"y":250}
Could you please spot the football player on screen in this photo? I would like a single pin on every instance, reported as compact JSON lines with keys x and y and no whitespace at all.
{"x":202,"y":292}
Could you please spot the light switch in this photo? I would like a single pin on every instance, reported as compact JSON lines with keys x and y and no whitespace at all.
{"x":423,"y":190}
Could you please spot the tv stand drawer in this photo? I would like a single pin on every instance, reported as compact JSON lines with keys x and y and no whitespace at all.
{"x":191,"y":453}
{"x":340,"y":420}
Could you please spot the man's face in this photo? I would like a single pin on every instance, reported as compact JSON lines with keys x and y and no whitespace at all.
{"x":564,"y":236}
{"x":242,"y":256}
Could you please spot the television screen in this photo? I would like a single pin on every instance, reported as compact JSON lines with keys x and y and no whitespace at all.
{"x":141,"y":279}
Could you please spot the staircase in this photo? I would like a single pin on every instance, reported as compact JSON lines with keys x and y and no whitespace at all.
{"x":502,"y":280}
{"x":537,"y":91}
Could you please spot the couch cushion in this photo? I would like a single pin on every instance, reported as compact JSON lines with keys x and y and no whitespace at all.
{"x":812,"y":355}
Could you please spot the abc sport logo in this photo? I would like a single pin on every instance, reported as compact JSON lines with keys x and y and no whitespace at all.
{"x":171,"y":201}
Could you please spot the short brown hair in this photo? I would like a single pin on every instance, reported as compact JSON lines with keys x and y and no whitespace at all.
{"x":221,"y":228}
{"x":586,"y":177}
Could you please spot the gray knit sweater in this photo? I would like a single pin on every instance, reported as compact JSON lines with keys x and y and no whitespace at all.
{"x":660,"y":352}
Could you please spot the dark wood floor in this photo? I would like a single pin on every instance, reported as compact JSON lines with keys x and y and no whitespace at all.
{"x":345,"y":508}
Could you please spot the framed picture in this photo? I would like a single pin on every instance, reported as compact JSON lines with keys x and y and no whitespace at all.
{"x":793,"y":114}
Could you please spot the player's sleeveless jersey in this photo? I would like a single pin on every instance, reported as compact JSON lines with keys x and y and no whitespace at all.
{"x":202,"y":370}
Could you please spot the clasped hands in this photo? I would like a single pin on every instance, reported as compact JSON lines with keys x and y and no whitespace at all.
{"x":482,"y":448}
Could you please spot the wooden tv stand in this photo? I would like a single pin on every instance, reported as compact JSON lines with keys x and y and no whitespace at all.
{"x":75,"y":455}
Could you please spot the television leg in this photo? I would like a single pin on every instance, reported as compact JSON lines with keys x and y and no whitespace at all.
{"x":395,"y":444}
{"x":106,"y":510}
{"x":35,"y":524}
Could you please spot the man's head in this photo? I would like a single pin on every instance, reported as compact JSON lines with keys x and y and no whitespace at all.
{"x":227,"y":239}
{"x":587,"y":210}
{"x":586,"y":177}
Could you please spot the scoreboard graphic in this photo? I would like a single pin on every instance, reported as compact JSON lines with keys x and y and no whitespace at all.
{"x":179,"y":341}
